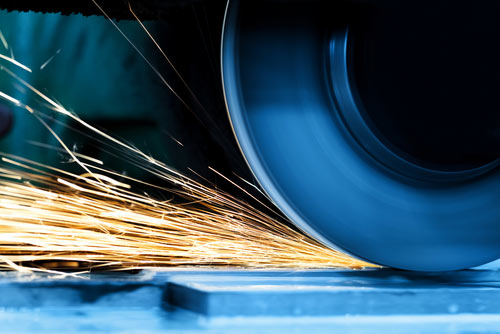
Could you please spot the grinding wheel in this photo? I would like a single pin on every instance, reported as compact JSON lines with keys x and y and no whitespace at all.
{"x":373,"y":125}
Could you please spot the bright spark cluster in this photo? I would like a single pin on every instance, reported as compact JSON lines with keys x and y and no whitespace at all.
{"x":55,"y":218}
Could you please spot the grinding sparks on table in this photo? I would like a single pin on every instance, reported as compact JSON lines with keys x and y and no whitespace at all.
{"x":50,"y":217}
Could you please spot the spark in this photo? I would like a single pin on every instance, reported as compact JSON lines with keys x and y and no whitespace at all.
{"x":4,"y":41}
{"x":209,"y":118}
{"x":165,"y":56}
{"x":57,"y":107}
{"x":15,"y":62}
{"x":10,"y":98}
{"x":178,"y":142}
{"x":79,"y":155}
{"x":160,"y":76}
{"x":50,"y":59}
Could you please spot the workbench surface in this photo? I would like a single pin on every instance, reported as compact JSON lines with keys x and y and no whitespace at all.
{"x":252,"y":301}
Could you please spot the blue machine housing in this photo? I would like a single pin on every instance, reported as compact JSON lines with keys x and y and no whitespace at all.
{"x":288,"y":93}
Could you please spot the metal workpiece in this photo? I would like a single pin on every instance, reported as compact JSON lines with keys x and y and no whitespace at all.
{"x":308,"y":88}
{"x":319,"y":293}
{"x":250,"y":301}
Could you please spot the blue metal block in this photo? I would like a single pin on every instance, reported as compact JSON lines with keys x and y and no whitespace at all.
{"x":337,"y":293}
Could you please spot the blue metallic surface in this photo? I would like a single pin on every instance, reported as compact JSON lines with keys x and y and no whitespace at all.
{"x":289,"y":127}
{"x":252,"y":301}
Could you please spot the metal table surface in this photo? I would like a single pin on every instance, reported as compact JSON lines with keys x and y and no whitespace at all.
{"x":253,"y":301}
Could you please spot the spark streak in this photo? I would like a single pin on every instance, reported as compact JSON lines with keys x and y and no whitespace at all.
{"x":46,"y":215}
{"x":9,"y":98}
{"x":15,"y":62}
{"x":50,"y":59}
{"x":4,"y":41}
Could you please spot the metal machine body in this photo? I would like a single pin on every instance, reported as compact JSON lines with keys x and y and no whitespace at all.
{"x":311,"y":137}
